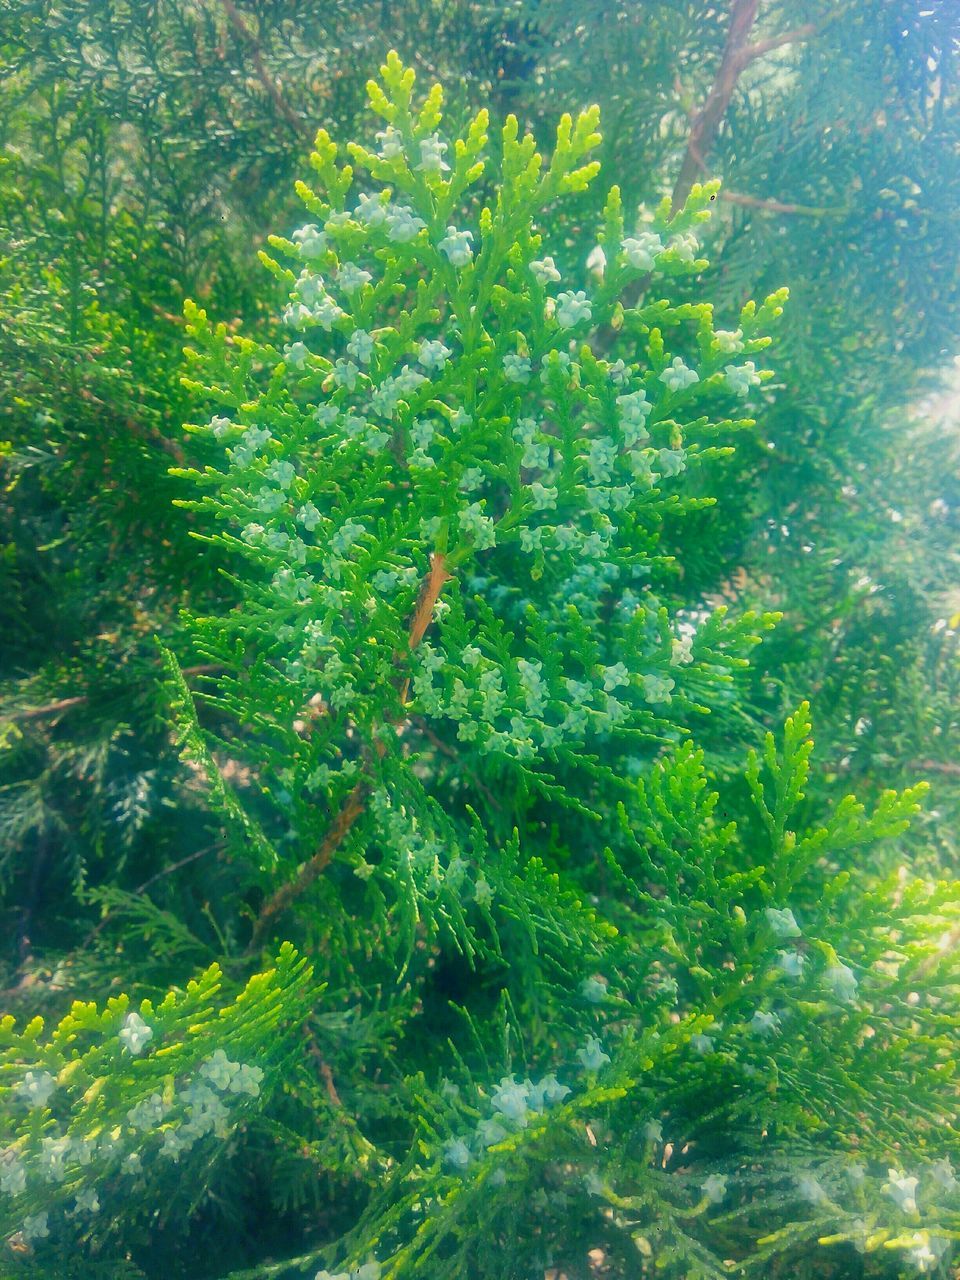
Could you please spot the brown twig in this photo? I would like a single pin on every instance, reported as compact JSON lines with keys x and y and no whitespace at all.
{"x":50,"y":709}
{"x":760,"y":47}
{"x":330,"y":1086}
{"x":175,"y":866}
{"x":53,"y":709}
{"x":779,"y":206}
{"x":142,"y":888}
{"x":705,"y":124}
{"x":429,"y":595}
{"x":152,"y":435}
{"x":939,"y":766}
{"x":280,"y":901}
{"x":169,"y":316}
{"x":737,"y":56}
{"x":264,"y":76}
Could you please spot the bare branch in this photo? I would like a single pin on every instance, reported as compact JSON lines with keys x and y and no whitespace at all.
{"x":760,"y":47}
{"x":938,"y":766}
{"x":778,"y":206}
{"x":168,"y":870}
{"x":429,"y":595}
{"x":281,"y":900}
{"x":706,"y":122}
{"x":264,"y":76}
{"x":331,"y":1087}
{"x":51,"y":710}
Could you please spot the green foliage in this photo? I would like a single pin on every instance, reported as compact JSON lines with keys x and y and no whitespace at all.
{"x":512,"y":489}
{"x":459,"y":604}
{"x":712,"y":1097}
{"x":115,"y":1106}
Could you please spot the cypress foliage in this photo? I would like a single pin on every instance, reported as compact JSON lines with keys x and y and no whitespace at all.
{"x":493,"y":579}
{"x":584,"y":1007}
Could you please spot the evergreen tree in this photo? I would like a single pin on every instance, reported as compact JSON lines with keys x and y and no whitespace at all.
{"x":146,"y":146}
{"x":594,"y":1000}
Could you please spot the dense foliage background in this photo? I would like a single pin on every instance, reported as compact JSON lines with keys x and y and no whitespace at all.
{"x":146,"y":152}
